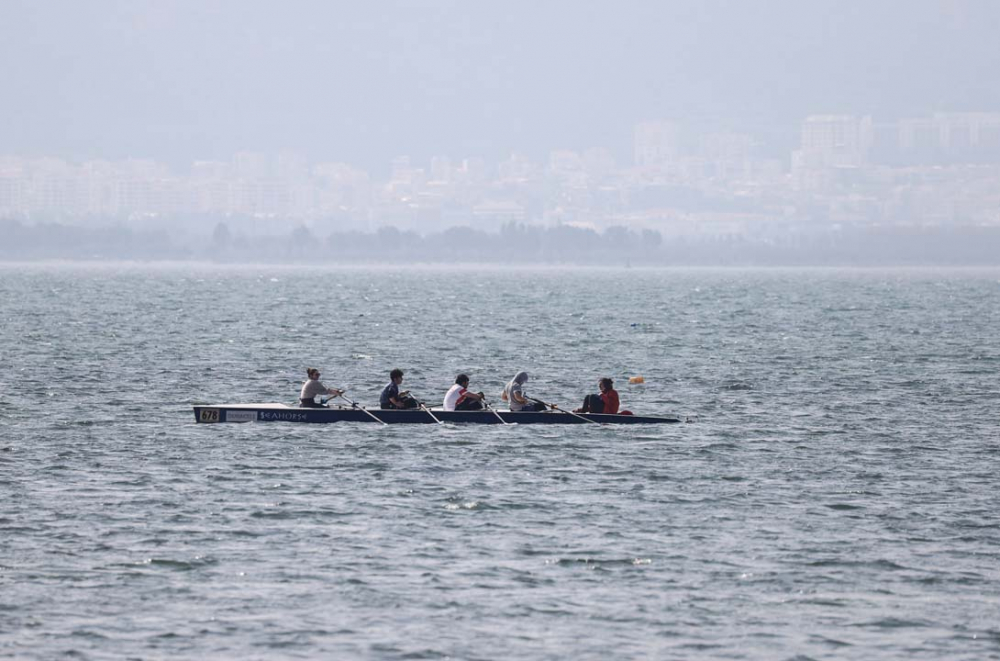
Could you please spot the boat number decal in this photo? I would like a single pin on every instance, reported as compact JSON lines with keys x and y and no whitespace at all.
{"x":241,"y":416}
{"x":209,"y":415}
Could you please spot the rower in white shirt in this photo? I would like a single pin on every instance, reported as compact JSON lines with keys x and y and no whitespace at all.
{"x":460,"y":399}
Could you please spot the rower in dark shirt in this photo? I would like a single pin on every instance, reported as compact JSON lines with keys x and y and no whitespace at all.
{"x":391,"y":398}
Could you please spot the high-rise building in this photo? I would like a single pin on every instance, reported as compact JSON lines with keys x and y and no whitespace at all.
{"x":474,"y":170}
{"x":291,"y":166}
{"x":951,"y":137}
{"x":11,"y":193}
{"x":565,"y":160}
{"x":515,"y":168}
{"x":210,"y":170}
{"x":599,"y":162}
{"x":655,"y":143}
{"x":143,"y":168}
{"x":250,"y":165}
{"x":727,"y":154}
{"x":922,"y":134}
{"x":830,"y":144}
{"x":402,"y":173}
{"x":441,"y":169}
{"x":837,"y":140}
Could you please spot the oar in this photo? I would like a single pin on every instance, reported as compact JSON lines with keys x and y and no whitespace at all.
{"x":493,"y":411}
{"x":421,"y":405}
{"x":361,"y":408}
{"x":556,"y":408}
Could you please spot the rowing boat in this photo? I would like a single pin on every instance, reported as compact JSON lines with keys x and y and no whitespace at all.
{"x":213,"y":413}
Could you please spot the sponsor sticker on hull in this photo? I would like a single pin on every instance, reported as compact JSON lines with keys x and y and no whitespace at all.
{"x":241,"y":416}
{"x":286,"y":416}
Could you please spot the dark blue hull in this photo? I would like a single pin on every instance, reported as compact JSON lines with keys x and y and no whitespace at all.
{"x":281,"y":413}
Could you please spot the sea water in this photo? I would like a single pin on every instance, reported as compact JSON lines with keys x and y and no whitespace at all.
{"x":836,"y":493}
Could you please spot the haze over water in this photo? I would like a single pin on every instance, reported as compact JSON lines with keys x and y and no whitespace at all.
{"x":835,"y":495}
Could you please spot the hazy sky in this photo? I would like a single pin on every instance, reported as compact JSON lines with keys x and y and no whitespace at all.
{"x":364,"y":81}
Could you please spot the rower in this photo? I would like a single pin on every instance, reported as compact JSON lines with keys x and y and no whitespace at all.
{"x":606,"y":402}
{"x":391,"y":398}
{"x":313,"y":387}
{"x":514,"y":394}
{"x":460,"y":399}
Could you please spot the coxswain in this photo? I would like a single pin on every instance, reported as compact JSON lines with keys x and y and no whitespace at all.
{"x":313,"y":387}
{"x":606,"y":402}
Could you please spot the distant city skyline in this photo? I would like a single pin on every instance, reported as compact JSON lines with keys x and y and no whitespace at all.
{"x":942,"y":170}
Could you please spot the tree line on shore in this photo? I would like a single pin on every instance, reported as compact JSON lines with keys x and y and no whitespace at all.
{"x":513,"y":243}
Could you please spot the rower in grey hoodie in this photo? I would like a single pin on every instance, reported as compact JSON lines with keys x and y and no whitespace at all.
{"x":514,"y":394}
